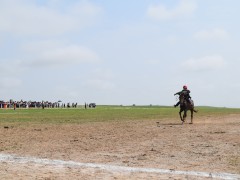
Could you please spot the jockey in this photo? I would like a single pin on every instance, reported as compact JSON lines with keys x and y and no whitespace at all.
{"x":186,"y":95}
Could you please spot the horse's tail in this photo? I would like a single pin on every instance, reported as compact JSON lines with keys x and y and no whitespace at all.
{"x":192,"y":104}
{"x":195,"y":110}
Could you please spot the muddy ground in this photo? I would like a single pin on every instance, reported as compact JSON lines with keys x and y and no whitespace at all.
{"x":211,"y":144}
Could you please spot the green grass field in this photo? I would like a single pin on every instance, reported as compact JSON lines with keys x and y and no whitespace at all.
{"x":103,"y":114}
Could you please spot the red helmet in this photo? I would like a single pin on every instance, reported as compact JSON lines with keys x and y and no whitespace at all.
{"x":185,"y":87}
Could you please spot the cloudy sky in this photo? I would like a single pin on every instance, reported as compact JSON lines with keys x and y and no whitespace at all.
{"x":120,"y":52}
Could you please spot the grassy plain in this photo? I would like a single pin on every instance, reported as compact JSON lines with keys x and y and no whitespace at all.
{"x":125,"y":136}
{"x":103,"y":114}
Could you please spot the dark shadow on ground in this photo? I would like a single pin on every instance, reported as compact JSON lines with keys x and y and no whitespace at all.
{"x":169,"y":124}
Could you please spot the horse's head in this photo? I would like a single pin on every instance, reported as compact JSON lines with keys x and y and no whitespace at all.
{"x":182,"y":98}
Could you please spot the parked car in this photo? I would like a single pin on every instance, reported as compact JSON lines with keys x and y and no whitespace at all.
{"x":92,"y":105}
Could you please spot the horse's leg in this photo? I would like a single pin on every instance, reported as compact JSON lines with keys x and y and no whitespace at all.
{"x":180,"y":114}
{"x":191,"y":116}
{"x":184,"y":115}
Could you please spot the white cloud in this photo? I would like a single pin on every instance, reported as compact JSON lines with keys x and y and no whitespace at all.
{"x":101,"y":79}
{"x":206,"y":63}
{"x":216,"y":33}
{"x":160,"y":12}
{"x":37,"y":47}
{"x":60,"y":56}
{"x":22,"y":17}
{"x":56,"y":53}
{"x":10,"y":68}
{"x":10,"y":82}
{"x":100,"y":84}
{"x":71,"y":54}
{"x":85,"y":8}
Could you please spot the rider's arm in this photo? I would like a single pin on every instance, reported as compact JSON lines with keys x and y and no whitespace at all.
{"x":189,"y":94}
{"x":178,"y":93}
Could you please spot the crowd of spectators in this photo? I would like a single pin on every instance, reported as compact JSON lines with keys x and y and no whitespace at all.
{"x":36,"y":104}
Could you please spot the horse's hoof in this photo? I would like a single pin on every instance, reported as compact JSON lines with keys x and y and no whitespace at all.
{"x":190,"y":123}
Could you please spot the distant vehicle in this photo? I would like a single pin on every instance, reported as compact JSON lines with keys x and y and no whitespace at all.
{"x":92,"y":105}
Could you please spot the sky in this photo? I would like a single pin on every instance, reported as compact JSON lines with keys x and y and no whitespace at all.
{"x":120,"y":52}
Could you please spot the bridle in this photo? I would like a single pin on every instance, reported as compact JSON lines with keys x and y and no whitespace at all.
{"x":182,"y":99}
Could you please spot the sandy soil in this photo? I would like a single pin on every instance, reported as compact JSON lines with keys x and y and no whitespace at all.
{"x":211,"y":144}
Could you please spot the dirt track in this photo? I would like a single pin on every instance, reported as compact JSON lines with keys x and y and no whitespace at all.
{"x":211,"y":144}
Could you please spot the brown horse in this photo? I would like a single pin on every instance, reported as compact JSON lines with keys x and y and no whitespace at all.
{"x":184,"y":107}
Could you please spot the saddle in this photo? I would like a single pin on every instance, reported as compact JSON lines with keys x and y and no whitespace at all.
{"x":188,"y":102}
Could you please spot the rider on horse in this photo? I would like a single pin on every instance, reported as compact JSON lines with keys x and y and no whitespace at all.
{"x":186,"y":93}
